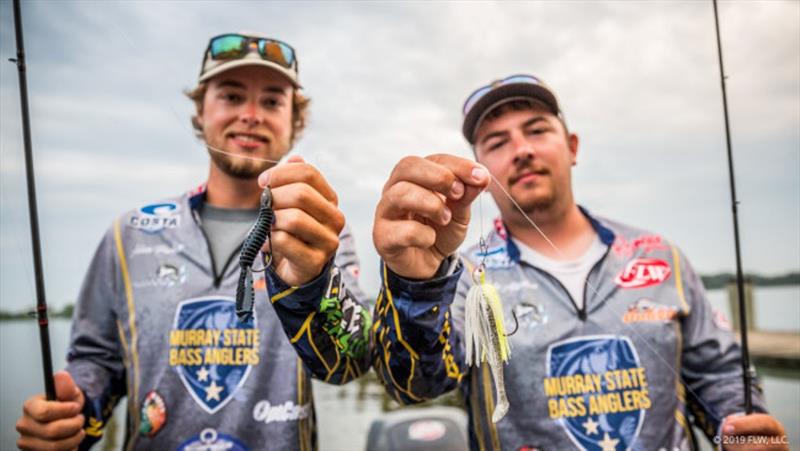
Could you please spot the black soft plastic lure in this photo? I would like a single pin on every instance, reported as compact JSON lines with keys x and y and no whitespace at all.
{"x":259,"y":234}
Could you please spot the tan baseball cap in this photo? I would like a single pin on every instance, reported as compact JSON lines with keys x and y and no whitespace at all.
{"x":231,"y":50}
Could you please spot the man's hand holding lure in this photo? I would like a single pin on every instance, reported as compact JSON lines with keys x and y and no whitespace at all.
{"x":297,"y":229}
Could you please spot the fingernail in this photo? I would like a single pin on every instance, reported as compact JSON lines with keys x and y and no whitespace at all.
{"x":479,"y":174}
{"x":446,"y":215}
{"x":457,"y":189}
{"x":729,"y":429}
{"x":263,"y":179}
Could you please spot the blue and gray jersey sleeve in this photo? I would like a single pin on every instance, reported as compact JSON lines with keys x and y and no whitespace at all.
{"x":417,"y":351}
{"x":327,"y":320}
{"x":711,"y":363}
{"x":94,"y":357}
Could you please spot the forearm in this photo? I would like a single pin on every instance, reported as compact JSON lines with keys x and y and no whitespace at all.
{"x":417,"y":353}
{"x":327,"y":325}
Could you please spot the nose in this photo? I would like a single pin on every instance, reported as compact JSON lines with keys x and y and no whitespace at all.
{"x":249,"y":115}
{"x":523,"y":150}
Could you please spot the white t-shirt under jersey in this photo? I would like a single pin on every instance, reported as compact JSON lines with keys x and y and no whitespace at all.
{"x":573,"y":273}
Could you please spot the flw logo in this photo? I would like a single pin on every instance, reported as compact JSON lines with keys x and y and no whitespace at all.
{"x":643,"y":272}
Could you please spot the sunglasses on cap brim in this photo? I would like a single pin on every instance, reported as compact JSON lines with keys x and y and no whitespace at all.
{"x":236,"y":46}
{"x":480,"y":92}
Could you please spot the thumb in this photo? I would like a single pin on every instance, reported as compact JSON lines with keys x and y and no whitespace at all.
{"x":66,"y":389}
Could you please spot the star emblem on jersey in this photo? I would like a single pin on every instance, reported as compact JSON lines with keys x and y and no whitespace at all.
{"x":211,"y":350}
{"x":608,"y":444}
{"x":590,"y":426}
{"x":213,"y":391}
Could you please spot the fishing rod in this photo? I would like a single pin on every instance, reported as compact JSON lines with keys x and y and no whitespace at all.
{"x":41,"y":303}
{"x":746,"y":374}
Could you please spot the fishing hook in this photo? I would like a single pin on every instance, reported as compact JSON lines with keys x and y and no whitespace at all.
{"x":516,"y":324}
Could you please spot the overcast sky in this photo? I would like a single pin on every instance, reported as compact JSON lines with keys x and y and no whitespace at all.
{"x":638,"y":82}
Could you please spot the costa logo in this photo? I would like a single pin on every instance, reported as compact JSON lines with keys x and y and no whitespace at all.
{"x":643,"y":272}
{"x":156,"y":217}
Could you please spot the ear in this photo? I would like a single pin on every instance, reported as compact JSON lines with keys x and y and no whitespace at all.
{"x":573,"y":148}
{"x":198,"y":117}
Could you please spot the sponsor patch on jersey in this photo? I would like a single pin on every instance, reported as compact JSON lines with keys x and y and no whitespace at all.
{"x":496,"y":257}
{"x":158,"y":249}
{"x":211,"y":440}
{"x":645,"y":310}
{"x":721,"y":321}
{"x":643,"y":272}
{"x":211,"y":350}
{"x":647,"y":243}
{"x":265,"y":412}
{"x":166,"y":275}
{"x":500,"y":228}
{"x":153,"y":414}
{"x":597,"y":390}
{"x":156,"y":217}
{"x":530,"y":315}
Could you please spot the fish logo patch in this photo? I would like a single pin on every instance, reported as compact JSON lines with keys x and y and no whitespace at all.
{"x":211,"y":350}
{"x":597,"y":390}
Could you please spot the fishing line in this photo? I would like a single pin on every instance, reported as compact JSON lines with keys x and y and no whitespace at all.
{"x":249,"y":157}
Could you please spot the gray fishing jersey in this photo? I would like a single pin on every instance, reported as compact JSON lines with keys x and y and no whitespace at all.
{"x":155,"y":322}
{"x":631,"y":368}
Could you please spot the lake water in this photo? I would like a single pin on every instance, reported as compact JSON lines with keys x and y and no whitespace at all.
{"x":344,"y":413}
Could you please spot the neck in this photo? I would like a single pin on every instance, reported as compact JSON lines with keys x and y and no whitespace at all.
{"x":225,"y":191}
{"x":566,"y":228}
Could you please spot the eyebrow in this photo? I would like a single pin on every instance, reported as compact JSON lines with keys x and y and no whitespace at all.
{"x":275,"y":89}
{"x":500,"y":133}
{"x":236,"y":84}
{"x":230,"y":84}
{"x":532,"y":121}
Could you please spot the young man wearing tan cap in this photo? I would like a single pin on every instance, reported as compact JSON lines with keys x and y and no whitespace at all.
{"x":617,"y":346}
{"x":155,"y":321}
